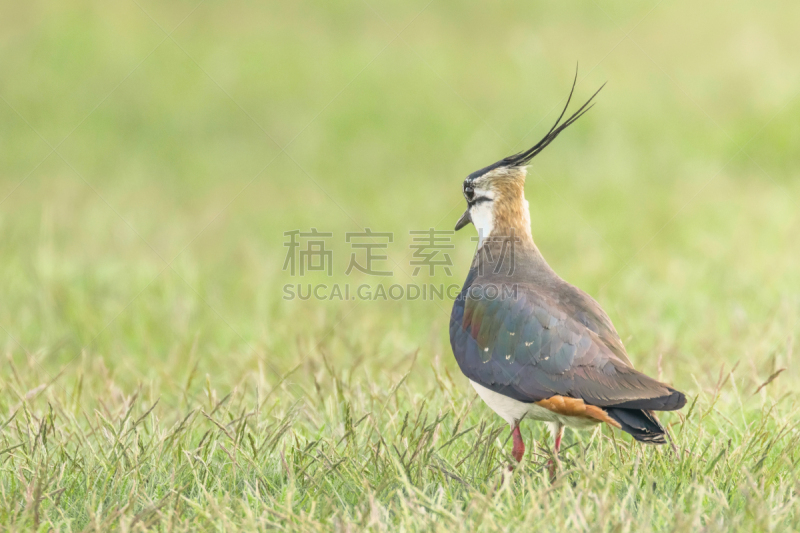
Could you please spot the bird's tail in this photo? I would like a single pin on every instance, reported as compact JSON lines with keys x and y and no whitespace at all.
{"x":642,"y":424}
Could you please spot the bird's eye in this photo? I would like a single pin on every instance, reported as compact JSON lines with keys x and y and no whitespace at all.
{"x":469,"y":193}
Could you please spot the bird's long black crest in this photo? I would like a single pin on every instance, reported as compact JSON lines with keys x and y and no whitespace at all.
{"x":523,"y":158}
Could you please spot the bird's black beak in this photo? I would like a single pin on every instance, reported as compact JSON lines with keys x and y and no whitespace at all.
{"x":464,"y":220}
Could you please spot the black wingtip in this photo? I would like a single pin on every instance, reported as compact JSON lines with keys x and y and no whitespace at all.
{"x":669,"y":402}
{"x":676,"y":401}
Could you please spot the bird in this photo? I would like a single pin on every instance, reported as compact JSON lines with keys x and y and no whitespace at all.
{"x":531,"y":344}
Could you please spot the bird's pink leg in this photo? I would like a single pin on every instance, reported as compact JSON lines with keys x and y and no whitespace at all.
{"x":553,"y":463}
{"x":519,"y":447}
{"x":559,"y":434}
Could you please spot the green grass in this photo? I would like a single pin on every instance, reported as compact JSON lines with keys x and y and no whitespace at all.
{"x":154,"y":377}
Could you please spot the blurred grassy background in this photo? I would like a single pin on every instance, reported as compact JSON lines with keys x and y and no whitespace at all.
{"x":673,"y":202}
{"x":152,"y":155}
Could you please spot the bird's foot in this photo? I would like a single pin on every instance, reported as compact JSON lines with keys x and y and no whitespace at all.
{"x":517,"y":452}
{"x":554,"y":463}
{"x":552,"y":469}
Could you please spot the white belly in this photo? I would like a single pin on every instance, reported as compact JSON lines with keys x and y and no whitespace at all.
{"x":514,"y":410}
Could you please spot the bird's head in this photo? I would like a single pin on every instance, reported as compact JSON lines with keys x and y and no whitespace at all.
{"x":495,"y":198}
{"x":496,"y":194}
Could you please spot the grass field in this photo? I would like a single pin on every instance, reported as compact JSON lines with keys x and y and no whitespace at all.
{"x":153,"y":154}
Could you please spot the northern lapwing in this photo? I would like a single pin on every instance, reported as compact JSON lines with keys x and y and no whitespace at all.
{"x":532,"y":345}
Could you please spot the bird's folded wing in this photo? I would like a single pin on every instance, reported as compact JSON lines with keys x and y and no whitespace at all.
{"x":524,"y":345}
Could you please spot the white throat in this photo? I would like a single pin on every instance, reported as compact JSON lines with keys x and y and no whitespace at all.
{"x":482,"y":216}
